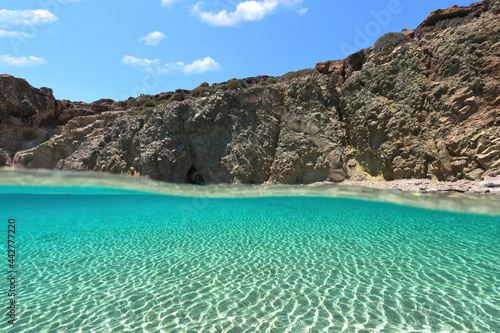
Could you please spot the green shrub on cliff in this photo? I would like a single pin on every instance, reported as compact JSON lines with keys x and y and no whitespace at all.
{"x":232,"y":84}
{"x":389,"y":41}
{"x":202,"y":91}
{"x":146,"y":105}
{"x":149,"y":104}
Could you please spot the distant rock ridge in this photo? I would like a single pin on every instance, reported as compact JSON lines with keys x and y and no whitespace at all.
{"x":421,"y":103}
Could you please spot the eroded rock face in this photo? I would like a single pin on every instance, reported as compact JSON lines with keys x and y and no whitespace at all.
{"x":30,"y":116}
{"x":22,"y":110}
{"x":457,"y":12}
{"x":432,"y":109}
{"x":427,"y":106}
{"x":445,"y":14}
{"x":253,"y":135}
{"x":20,"y":100}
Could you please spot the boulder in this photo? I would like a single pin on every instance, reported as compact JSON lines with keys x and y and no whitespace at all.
{"x":330,"y":67}
{"x":163,"y":96}
{"x":177,"y":97}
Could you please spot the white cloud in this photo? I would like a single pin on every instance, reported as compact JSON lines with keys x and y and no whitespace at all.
{"x":153,"y":39}
{"x":14,"y":34}
{"x":166,"y":3}
{"x":138,"y":62}
{"x":21,"y":62}
{"x":246,"y":11}
{"x":154,"y":66}
{"x":201,"y":66}
{"x":26,"y":17}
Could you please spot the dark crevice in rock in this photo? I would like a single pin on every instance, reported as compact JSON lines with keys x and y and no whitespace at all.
{"x":157,"y":165}
{"x":274,"y":147}
{"x":356,"y":60}
{"x":344,"y":74}
{"x":195,"y":177}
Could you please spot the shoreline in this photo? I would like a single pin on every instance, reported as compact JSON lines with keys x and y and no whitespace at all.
{"x":462,"y":196}
{"x":488,"y":186}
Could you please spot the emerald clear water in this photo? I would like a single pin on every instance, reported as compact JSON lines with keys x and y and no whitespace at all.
{"x":118,"y":261}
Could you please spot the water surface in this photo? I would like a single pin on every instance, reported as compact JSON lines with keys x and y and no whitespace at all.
{"x":107,"y":260}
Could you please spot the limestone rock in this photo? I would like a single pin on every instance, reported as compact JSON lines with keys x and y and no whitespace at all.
{"x":23,"y":109}
{"x":428,"y":108}
{"x":491,"y":181}
{"x":19,"y":101}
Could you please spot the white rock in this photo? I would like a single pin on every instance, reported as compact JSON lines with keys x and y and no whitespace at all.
{"x":491,"y":181}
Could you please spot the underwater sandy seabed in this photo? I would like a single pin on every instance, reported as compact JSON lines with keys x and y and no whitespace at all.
{"x":104,"y":253}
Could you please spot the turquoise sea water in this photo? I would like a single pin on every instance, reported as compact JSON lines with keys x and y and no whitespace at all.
{"x":119,"y":261}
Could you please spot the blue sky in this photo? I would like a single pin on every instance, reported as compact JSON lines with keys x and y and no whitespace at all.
{"x":90,"y":49}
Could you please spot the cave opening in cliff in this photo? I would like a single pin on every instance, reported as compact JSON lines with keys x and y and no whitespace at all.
{"x":194,"y":177}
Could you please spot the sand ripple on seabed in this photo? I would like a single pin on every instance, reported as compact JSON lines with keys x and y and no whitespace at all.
{"x":256,"y":270}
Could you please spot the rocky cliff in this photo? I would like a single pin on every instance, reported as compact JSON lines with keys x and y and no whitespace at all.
{"x":422,"y":103}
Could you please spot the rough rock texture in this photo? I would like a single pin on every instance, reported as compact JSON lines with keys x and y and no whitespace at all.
{"x":429,"y":108}
{"x":423,"y":106}
{"x":22,"y":111}
{"x":30,"y":116}
{"x":229,"y":136}
{"x":491,"y":185}
{"x":444,"y":14}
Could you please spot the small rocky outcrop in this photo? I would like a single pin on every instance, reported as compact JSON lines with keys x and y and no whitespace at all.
{"x":445,"y":14}
{"x":422,"y":103}
{"x":454,"y":12}
{"x":21,"y":101}
{"x":23,"y":112}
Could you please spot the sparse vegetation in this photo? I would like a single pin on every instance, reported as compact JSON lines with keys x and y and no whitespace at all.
{"x":103,"y":100}
{"x":422,"y":31}
{"x":444,"y":24}
{"x":146,"y":105}
{"x":232,"y":84}
{"x":267,"y":80}
{"x":303,"y":72}
{"x":389,"y":41}
{"x":202,"y":91}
